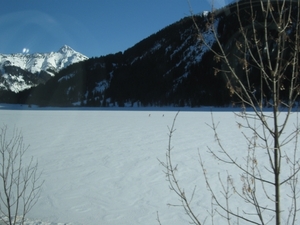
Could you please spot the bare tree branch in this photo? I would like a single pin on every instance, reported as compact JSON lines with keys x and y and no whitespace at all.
{"x":20,"y":184}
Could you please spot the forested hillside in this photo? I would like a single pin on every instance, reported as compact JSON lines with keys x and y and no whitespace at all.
{"x":169,"y":68}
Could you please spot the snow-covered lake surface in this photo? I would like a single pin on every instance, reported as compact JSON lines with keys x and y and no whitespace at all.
{"x":101,"y":167}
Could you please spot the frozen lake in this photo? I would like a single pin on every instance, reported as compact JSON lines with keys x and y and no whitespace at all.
{"x":101,"y":167}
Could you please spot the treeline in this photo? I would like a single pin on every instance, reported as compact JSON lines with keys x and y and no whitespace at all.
{"x":161,"y":70}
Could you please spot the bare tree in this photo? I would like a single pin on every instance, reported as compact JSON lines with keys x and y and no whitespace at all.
{"x":260,"y":65}
{"x":20,"y":183}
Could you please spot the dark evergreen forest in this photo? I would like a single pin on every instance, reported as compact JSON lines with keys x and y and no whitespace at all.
{"x":162,"y":70}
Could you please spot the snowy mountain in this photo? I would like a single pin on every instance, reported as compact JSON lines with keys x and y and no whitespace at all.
{"x":21,"y":71}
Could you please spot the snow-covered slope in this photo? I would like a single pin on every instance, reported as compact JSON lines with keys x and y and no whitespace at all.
{"x":101,"y":166}
{"x":17,"y":70}
{"x":36,"y":62}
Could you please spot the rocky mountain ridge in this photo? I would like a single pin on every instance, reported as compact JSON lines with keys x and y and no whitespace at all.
{"x":21,"y":71}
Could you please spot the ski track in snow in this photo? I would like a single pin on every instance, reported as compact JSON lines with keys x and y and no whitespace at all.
{"x":101,"y":167}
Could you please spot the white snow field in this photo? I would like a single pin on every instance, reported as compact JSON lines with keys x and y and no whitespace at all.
{"x":101,"y":167}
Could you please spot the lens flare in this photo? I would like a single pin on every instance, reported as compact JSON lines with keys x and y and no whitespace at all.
{"x":25,"y":50}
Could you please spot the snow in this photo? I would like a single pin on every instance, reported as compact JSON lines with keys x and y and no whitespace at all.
{"x":16,"y":83}
{"x":35,"y":63}
{"x":194,"y":51}
{"x":205,"y":13}
{"x":43,"y":61}
{"x":101,"y":166}
{"x":67,"y":77}
{"x":101,"y":86}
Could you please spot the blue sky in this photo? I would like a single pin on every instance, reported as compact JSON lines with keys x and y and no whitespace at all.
{"x":91,"y":27}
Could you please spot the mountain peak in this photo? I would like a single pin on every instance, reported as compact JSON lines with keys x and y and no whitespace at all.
{"x":33,"y":65}
{"x":65,"y":49}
